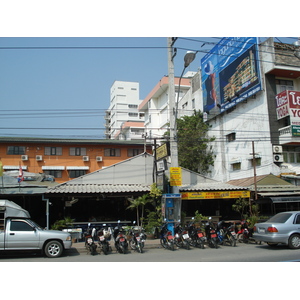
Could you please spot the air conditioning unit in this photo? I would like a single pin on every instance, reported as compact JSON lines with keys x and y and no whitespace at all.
{"x":277,"y":149}
{"x":98,"y":158}
{"x":85,"y":158}
{"x":24,"y":157}
{"x":39,"y":157}
{"x":278,"y":158}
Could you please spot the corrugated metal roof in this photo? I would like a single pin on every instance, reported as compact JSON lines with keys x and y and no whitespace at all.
{"x":72,"y":141}
{"x":98,"y":188}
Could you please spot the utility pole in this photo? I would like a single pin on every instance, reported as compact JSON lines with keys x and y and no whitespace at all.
{"x":172,"y":105}
{"x":254,"y":176}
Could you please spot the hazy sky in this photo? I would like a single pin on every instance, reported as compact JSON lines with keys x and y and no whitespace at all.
{"x":47,"y":81}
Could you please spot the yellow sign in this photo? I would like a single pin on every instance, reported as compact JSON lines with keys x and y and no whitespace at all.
{"x":1,"y":169}
{"x":175,"y":176}
{"x":215,"y":195}
{"x":162,"y":151}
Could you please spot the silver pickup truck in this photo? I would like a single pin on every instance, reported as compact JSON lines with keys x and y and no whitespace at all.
{"x":18,"y":232}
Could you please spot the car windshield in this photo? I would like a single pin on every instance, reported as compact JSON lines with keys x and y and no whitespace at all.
{"x":35,"y":225}
{"x":280,"y":218}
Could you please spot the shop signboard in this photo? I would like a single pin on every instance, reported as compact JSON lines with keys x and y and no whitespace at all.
{"x":215,"y":195}
{"x":288,"y":104}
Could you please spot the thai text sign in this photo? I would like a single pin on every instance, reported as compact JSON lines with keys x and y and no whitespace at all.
{"x":162,"y":151}
{"x":175,"y":176}
{"x":288,"y":104}
{"x":215,"y":195}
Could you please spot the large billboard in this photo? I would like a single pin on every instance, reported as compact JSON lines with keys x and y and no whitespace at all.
{"x":230,"y":73}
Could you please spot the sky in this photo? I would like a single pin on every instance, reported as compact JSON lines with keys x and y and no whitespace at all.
{"x":57,"y":66}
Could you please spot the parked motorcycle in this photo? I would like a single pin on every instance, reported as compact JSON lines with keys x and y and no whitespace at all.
{"x":197,"y":238}
{"x":245,"y":234}
{"x":166,"y":238}
{"x":181,"y":239}
{"x":137,"y":241}
{"x":121,"y":243}
{"x":104,"y":237}
{"x":226,"y":235}
{"x":89,"y":236}
{"x":211,"y":234}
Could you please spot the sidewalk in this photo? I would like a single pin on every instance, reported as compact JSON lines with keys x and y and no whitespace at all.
{"x":149,"y":244}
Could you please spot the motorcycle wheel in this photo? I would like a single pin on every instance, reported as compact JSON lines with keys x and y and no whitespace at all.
{"x":105,"y":249}
{"x":163,"y":243}
{"x":132,"y":245}
{"x":232,"y":241}
{"x":140,"y":248}
{"x":215,"y":244}
{"x":186,"y":245}
{"x":171,"y":245}
{"x":93,"y":249}
{"x":240,"y":238}
{"x":200,"y":242}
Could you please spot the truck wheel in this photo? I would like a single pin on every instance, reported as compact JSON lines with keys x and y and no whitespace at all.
{"x":53,"y":249}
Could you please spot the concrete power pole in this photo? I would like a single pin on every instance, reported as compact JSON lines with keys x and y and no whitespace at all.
{"x":172,"y":106}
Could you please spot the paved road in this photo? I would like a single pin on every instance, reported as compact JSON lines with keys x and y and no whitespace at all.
{"x":240,"y":253}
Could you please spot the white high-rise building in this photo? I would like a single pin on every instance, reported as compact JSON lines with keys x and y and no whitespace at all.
{"x":123,"y":120}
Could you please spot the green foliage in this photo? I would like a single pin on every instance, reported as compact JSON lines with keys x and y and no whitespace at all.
{"x":247,"y":212}
{"x":194,"y":152}
{"x":61,"y":224}
{"x":199,"y":217}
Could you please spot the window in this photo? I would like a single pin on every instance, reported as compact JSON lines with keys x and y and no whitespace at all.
{"x":230,"y":137}
{"x":132,"y":106}
{"x":20,"y":226}
{"x":76,"y":173}
{"x":112,"y":152}
{"x":193,"y":103}
{"x":77,"y":151}
{"x":15,"y":150}
{"x":132,"y":114}
{"x":257,"y":162}
{"x":53,"y":150}
{"x":134,"y":152}
{"x":283,"y":85}
{"x":236,"y":166}
{"x":55,"y":173}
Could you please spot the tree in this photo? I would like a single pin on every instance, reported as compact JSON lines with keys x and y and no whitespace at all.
{"x":194,"y":151}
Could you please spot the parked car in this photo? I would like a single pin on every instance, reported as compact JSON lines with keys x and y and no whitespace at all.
{"x":282,"y":228}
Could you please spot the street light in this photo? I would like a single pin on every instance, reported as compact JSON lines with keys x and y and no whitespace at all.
{"x":188,"y":59}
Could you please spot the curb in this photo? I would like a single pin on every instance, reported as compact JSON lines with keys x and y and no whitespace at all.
{"x":80,"y":248}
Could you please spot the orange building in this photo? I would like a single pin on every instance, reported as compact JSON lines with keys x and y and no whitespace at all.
{"x":65,"y":159}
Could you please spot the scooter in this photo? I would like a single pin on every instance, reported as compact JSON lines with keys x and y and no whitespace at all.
{"x":245,"y":234}
{"x":104,"y":237}
{"x":181,"y":239}
{"x":121,"y":243}
{"x":89,"y":236}
{"x":137,"y":241}
{"x":211,"y":234}
{"x":227,"y":234}
{"x":197,"y":237}
{"x":166,"y":238}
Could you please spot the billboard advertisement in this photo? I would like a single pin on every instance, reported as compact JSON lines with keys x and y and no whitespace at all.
{"x":288,"y":104}
{"x":230,"y":73}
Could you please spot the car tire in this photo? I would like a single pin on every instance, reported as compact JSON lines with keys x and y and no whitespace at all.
{"x":294,"y":241}
{"x":53,"y":249}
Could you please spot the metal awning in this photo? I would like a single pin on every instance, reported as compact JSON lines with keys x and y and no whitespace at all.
{"x":14,"y":167}
{"x":53,"y":168}
{"x":78,"y":168}
{"x":285,"y":199}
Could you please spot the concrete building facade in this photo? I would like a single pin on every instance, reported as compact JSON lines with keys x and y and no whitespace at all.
{"x":123,"y":121}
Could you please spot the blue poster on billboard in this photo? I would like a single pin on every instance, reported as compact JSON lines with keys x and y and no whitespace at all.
{"x":230,"y":73}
